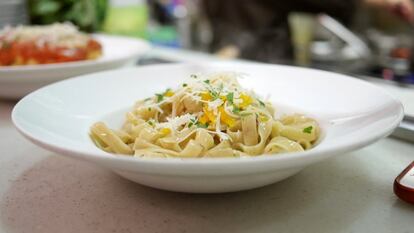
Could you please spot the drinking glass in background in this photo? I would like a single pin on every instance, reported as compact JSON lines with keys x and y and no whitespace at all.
{"x":302,"y":27}
{"x":12,"y":13}
{"x":127,"y":17}
{"x":169,"y":24}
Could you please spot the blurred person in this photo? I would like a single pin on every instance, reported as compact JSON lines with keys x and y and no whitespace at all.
{"x":259,"y":30}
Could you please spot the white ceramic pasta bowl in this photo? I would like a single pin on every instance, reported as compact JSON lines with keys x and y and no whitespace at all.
{"x":351,"y":112}
{"x":17,"y":81}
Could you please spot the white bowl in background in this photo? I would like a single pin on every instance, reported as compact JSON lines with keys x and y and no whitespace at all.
{"x":352,"y":114}
{"x":17,"y":81}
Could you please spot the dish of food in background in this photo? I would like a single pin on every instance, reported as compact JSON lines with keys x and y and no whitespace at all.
{"x":117,"y":51}
{"x":53,"y":118}
{"x":209,"y":115}
{"x":55,"y":43}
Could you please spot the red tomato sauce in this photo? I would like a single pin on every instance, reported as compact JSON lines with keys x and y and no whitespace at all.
{"x":26,"y":53}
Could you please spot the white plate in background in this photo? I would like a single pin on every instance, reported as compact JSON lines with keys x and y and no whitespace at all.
{"x":352,"y":114}
{"x":17,"y":81}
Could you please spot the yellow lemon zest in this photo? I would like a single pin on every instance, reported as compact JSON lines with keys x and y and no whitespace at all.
{"x":247,"y":100}
{"x":206,"y":96}
{"x":226,"y":118}
{"x":165,"y":131}
{"x":203,"y":119}
{"x":169,"y":93}
{"x":209,"y":114}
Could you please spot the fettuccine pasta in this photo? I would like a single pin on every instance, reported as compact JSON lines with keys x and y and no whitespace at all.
{"x":207,"y":116}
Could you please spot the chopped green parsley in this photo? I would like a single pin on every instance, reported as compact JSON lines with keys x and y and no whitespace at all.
{"x":160,"y":97}
{"x":308,"y":130}
{"x":261,"y":103}
{"x":236,"y":110}
{"x":229,"y":97}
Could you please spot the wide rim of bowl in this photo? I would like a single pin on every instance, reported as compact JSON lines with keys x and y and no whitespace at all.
{"x":306,"y":156}
{"x":144,"y":47}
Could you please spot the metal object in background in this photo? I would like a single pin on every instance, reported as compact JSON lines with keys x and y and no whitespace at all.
{"x":339,"y":48}
{"x":12,"y":12}
{"x":393,"y":55}
{"x":355,"y":47}
{"x":406,"y":129}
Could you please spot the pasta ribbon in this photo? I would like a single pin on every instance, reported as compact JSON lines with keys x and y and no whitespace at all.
{"x":207,"y":116}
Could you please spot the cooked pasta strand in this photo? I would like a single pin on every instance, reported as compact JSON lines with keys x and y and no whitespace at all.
{"x":208,"y":116}
{"x":114,"y":142}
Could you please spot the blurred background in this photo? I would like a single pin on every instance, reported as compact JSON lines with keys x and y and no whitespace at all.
{"x":364,"y":37}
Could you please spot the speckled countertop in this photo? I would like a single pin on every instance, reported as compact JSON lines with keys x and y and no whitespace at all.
{"x":42,"y":192}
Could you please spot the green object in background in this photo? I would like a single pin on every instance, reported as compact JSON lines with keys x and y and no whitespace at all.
{"x":88,"y":15}
{"x":164,"y":35}
{"x":127,"y":20}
